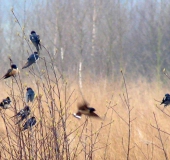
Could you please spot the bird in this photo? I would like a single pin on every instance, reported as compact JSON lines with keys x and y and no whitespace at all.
{"x":166,"y":100}
{"x":29,"y":123}
{"x":5,"y":103}
{"x":13,"y":71}
{"x":23,"y":113}
{"x":31,"y":59}
{"x":35,"y":39}
{"x":30,"y":95}
{"x":86,"y":110}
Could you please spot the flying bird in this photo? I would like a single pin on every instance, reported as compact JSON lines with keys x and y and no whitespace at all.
{"x":5,"y":103}
{"x":30,"y":95}
{"x":29,"y":123}
{"x":86,"y":110}
{"x":166,"y":100}
{"x":35,"y":39}
{"x":23,"y":113}
{"x":31,"y":59}
{"x":13,"y":71}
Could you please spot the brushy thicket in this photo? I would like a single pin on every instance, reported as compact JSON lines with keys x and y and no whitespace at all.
{"x":132,"y":126}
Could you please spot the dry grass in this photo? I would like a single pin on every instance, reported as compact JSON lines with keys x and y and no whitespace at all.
{"x":90,"y":138}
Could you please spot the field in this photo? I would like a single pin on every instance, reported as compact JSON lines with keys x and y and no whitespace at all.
{"x":59,"y":135}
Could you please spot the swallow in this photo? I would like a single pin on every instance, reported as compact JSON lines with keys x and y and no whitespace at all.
{"x":23,"y":113}
{"x":166,"y":100}
{"x":35,"y":39}
{"x":30,"y":95}
{"x":86,"y":110}
{"x":5,"y":103}
{"x":31,"y":59}
{"x":11,"y":72}
{"x":29,"y":123}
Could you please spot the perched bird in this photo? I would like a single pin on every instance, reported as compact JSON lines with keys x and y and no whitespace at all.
{"x":29,"y":123}
{"x":11,"y":72}
{"x":35,"y":39}
{"x":166,"y":100}
{"x":31,"y":59}
{"x":5,"y":103}
{"x":30,"y":95}
{"x":86,"y":110}
{"x":23,"y":113}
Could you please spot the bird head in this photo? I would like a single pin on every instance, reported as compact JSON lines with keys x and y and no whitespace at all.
{"x":29,"y":88}
{"x":14,"y":66}
{"x":27,"y":108}
{"x":166,"y":95}
{"x":33,"y":118}
{"x":8,"y":98}
{"x":92,"y":109}
{"x":33,"y":32}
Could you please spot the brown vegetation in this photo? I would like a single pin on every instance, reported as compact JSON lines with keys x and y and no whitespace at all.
{"x":110,"y":53}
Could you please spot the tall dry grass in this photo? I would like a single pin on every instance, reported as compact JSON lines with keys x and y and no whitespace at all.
{"x":58,"y":135}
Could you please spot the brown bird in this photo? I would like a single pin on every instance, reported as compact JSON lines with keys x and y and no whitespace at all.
{"x":11,"y":72}
{"x":86,"y":110}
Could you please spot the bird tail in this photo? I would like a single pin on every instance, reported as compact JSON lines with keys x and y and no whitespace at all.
{"x":2,"y":77}
{"x":40,"y":45}
{"x":26,"y":65}
{"x":19,"y":121}
{"x":94,"y":115}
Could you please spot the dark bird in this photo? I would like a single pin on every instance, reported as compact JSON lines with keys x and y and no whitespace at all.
{"x":11,"y":72}
{"x":23,"y":113}
{"x":30,"y":95}
{"x":86,"y":110}
{"x":5,"y":103}
{"x":166,"y":100}
{"x":35,"y":39}
{"x":29,"y":123}
{"x":31,"y":59}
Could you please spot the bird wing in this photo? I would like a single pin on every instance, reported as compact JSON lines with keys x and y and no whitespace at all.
{"x":8,"y":74}
{"x":26,"y":125}
{"x":33,"y":122}
{"x":27,"y":96}
{"x":83,"y":106}
{"x":32,"y":95}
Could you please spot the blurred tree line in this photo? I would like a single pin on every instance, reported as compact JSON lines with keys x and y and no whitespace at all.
{"x":104,"y":36}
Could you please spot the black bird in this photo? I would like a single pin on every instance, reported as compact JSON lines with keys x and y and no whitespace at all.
{"x":35,"y":39}
{"x":11,"y":72}
{"x":84,"y":109}
{"x":23,"y":113}
{"x":5,"y":103}
{"x":29,"y":123}
{"x":31,"y":59}
{"x":166,"y":100}
{"x":30,"y":95}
